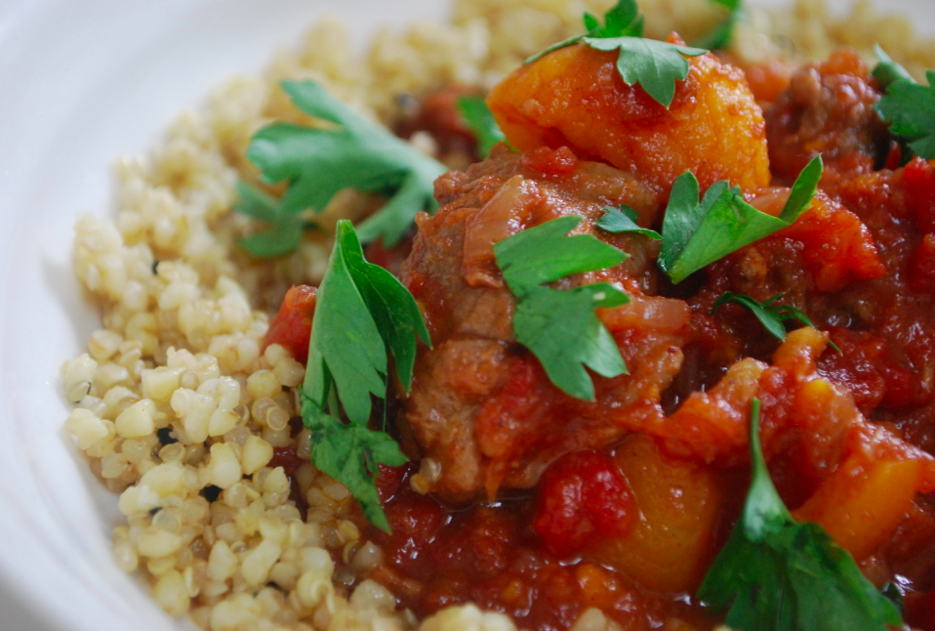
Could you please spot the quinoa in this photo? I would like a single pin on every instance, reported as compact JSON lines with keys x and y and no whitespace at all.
{"x":178,"y":407}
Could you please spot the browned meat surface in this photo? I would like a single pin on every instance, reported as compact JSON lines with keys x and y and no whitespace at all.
{"x":437,"y":114}
{"x":827,"y":109}
{"x":481,"y":406}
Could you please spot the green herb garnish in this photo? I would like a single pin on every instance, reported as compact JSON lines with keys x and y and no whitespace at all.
{"x":622,"y":20}
{"x":907,"y":107}
{"x":720,"y":36}
{"x":287,"y":228}
{"x":481,"y":122}
{"x":780,"y":575}
{"x":560,"y":326}
{"x":770,"y":314}
{"x":894,"y":594}
{"x":887,"y":71}
{"x":361,"y":311}
{"x":317,"y":162}
{"x":655,"y":65}
{"x":623,"y":220}
{"x":695,"y":233}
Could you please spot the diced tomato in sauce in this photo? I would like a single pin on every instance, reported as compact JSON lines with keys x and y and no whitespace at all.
{"x":919,"y":179}
{"x":922,"y":265}
{"x":583,"y":496}
{"x":550,"y":163}
{"x":292,"y":326}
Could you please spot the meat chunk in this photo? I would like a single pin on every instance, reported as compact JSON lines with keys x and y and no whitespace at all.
{"x":481,"y":405}
{"x":827,"y":109}
{"x":575,"y":97}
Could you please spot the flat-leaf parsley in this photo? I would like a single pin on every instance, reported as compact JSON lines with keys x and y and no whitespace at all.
{"x":770,"y":314}
{"x":696,"y":233}
{"x":907,"y":107}
{"x":351,"y":152}
{"x":560,"y":326}
{"x":652,"y":64}
{"x":480,"y":120}
{"x":361,"y":311}
{"x":623,"y":220}
{"x":780,"y":575}
{"x":720,"y":36}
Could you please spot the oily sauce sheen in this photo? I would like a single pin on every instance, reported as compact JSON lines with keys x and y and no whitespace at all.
{"x":490,"y":555}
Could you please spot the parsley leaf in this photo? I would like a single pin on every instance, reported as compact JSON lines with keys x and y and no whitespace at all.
{"x":287,"y":228}
{"x":350,"y":454}
{"x":480,"y":120}
{"x":621,"y":20}
{"x":777,"y":574}
{"x":695,"y":233}
{"x":623,"y":220}
{"x":361,"y":310}
{"x":317,"y":162}
{"x":655,"y":65}
{"x":907,"y":107}
{"x":770,"y":315}
{"x":720,"y":36}
{"x":894,"y":594}
{"x":560,"y":326}
{"x":887,"y":71}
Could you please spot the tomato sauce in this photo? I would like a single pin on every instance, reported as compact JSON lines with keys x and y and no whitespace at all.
{"x":621,"y":504}
{"x":491,"y":555}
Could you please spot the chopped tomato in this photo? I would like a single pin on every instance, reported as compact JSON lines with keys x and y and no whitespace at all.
{"x":582,"y":496}
{"x":560,"y":162}
{"x":414,"y":522}
{"x":919,"y":181}
{"x":920,"y":610}
{"x":837,"y":247}
{"x":390,"y":479}
{"x":922,"y":264}
{"x":292,"y":326}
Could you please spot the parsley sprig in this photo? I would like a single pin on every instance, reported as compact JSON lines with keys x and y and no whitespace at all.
{"x":771,"y":315}
{"x":317,"y":162}
{"x":887,"y":71}
{"x":361,"y":311}
{"x":780,"y":575}
{"x":907,"y":107}
{"x":287,"y":228}
{"x":652,"y":64}
{"x":560,"y":326}
{"x":696,"y":233}
{"x":480,"y":120}
{"x":623,"y":220}
{"x":719,"y":37}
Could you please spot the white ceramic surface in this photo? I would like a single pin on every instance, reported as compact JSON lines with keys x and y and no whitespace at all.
{"x":81,"y":83}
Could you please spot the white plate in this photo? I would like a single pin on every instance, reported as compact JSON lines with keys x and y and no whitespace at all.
{"x":81,"y":83}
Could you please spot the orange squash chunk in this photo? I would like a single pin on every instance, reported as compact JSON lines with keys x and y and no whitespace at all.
{"x":669,"y":547}
{"x":860,"y":508}
{"x":575,"y":97}
{"x":869,"y":494}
